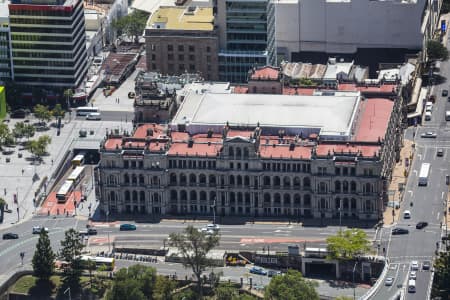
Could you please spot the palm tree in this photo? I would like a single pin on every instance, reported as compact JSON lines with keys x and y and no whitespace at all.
{"x":2,"y":209}
{"x":68,"y":93}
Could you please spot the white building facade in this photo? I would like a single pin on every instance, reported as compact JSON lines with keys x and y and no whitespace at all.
{"x":344,"y":26}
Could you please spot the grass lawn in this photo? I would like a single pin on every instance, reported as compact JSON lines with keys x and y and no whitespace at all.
{"x":28,"y":285}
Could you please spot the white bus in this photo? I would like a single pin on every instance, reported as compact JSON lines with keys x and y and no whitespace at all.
{"x":76,"y":175}
{"x":78,"y":160}
{"x":108,"y":262}
{"x":424,"y":173}
{"x":64,"y":191}
{"x":411,"y":286}
{"x":85,"y":110}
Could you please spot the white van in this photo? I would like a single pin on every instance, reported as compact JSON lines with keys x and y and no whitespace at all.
{"x":94,"y":116}
{"x":429,"y":106}
{"x":406,"y":214}
{"x":447,"y":115}
{"x":411,"y":286}
{"x":428,"y":116}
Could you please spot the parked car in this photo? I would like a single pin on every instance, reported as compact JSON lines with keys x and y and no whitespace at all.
{"x":127,"y":227}
{"x":413,"y":275}
{"x":440,"y":152}
{"x":426,"y":265}
{"x":444,"y":93}
{"x":389,"y":281}
{"x":273,"y":273}
{"x":258,"y":270}
{"x":10,"y":236}
{"x":407,"y":214}
{"x":421,"y":225}
{"x":206,"y":231}
{"x":397,"y":231}
{"x":94,"y":116}
{"x":429,"y":134}
{"x":38,"y":229}
{"x":89,"y":231}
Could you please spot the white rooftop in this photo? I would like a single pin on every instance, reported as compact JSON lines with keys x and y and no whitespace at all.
{"x":329,"y":115}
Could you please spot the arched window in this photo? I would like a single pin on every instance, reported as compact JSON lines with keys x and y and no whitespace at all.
{"x":267,"y":200}
{"x":239,"y":180}
{"x":276,"y":181}
{"x":306,"y":182}
{"x":142,"y":196}
{"x":202,"y":196}
{"x":173,"y":195}
{"x":296,"y":182}
{"x":238,"y":153}
{"x":307,"y":200}
{"x":266,"y":180}
{"x":183,"y":179}
{"x":193,"y":195}
{"x":173,"y":178}
{"x":322,"y":187}
{"x":337,"y":186}
{"x":353,"y":204}
{"x":231,"y":151}
{"x":127,"y":196}
{"x":183,"y":195}
{"x":202,"y":178}
{"x":212,"y":180}
{"x":192,"y":179}
{"x":297,"y":200}
{"x":126,"y":178}
{"x":277,"y":199}
{"x":345,"y":186}
{"x":245,"y":153}
{"x":287,"y":200}
{"x":246,"y":180}
{"x":141,"y":179}
{"x":135,"y":196}
{"x":134,"y":179}
{"x":232,"y":180}
{"x":286,"y":181}
{"x":353,"y":187}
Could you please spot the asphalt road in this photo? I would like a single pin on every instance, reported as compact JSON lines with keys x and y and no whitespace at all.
{"x":428,"y":205}
{"x":120,"y":116}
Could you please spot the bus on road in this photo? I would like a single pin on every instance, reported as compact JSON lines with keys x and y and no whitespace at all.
{"x":78,"y":160}
{"x":424,"y":173}
{"x":108,"y":262}
{"x":76,"y":175}
{"x":85,"y":110}
{"x":64,"y":191}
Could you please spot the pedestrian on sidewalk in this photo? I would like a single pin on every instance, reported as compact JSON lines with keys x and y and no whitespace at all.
{"x":5,"y":191}
{"x":23,"y":171}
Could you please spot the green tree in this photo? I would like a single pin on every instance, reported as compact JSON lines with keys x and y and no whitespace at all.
{"x":58,"y":111}
{"x":39,"y":147}
{"x":42,"y":113}
{"x":226,"y":291}
{"x":68,"y":94}
{"x":436,"y":51}
{"x":29,"y":131}
{"x":445,"y":8}
{"x":346,"y":245}
{"x":2,"y":209}
{"x":164,"y":288}
{"x":441,"y":282}
{"x":71,"y":252}
{"x":4,"y":134}
{"x":193,"y":246}
{"x":136,"y":282}
{"x":44,"y":258}
{"x":132,"y":25}
{"x":291,"y":286}
{"x":19,"y":130}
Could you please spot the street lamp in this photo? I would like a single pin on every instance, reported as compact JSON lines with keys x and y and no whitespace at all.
{"x":107,"y":221}
{"x":354,"y":287}
{"x":214,"y":210}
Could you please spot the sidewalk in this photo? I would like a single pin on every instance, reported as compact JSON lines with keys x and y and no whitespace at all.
{"x":18,"y":177}
{"x":398,"y":184}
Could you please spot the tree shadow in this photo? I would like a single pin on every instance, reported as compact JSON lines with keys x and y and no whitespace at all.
{"x":43,"y":289}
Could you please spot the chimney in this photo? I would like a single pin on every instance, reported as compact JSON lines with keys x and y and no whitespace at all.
{"x":291,"y":147}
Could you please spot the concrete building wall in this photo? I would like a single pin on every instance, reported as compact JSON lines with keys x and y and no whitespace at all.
{"x":345,"y":26}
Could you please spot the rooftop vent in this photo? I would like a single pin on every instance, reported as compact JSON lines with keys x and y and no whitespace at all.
{"x":190,"y":143}
{"x":291,"y":147}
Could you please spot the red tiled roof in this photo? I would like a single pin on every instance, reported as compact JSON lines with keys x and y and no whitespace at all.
{"x":179,"y":136}
{"x":374,"y":120}
{"x":265,"y":73}
{"x":141,"y":131}
{"x":298,"y":91}
{"x":282,"y":151}
{"x":366,"y":150}
{"x":197,"y":149}
{"x":384,"y":88}
{"x":111,"y":143}
{"x":240,"y":89}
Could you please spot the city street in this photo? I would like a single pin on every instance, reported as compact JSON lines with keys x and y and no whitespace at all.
{"x":428,"y":204}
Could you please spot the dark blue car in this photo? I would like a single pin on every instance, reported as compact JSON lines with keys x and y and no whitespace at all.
{"x":127,"y":227}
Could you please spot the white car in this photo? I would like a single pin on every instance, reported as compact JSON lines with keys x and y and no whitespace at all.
{"x":389,"y":281}
{"x":38,"y":229}
{"x":206,"y":231}
{"x":214,"y":227}
{"x":94,"y":116}
{"x":414,"y":265}
{"x":413,"y":275}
